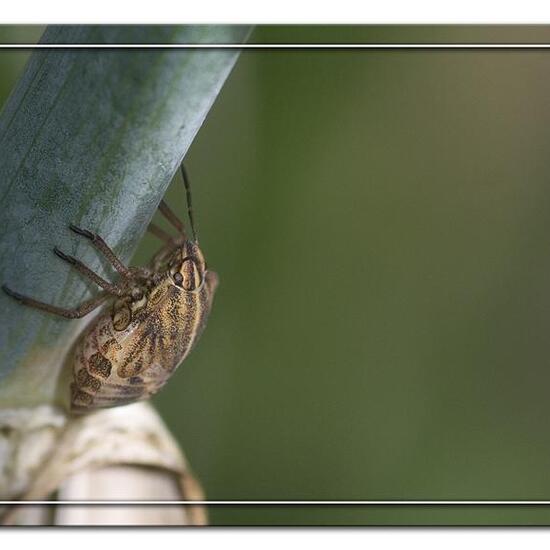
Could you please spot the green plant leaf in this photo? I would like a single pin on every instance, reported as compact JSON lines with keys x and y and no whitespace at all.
{"x":91,"y":137}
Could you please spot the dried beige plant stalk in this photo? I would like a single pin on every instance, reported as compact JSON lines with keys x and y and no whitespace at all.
{"x":124,"y":453}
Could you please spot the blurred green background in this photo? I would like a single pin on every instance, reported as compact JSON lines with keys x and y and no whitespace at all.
{"x":380,"y":221}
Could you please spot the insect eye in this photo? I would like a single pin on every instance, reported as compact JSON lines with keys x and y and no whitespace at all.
{"x":191,"y":276}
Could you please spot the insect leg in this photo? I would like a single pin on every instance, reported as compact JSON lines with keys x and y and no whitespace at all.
{"x":160,"y":233}
{"x":83,"y":309}
{"x":87,"y":272}
{"x":102,"y":246}
{"x":171,"y":217}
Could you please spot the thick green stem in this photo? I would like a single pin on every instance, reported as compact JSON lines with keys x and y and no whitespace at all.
{"x":90,"y":137}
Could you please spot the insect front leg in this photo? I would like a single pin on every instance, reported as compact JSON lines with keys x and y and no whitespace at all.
{"x":160,"y":233}
{"x":86,"y":307}
{"x":83,"y":309}
{"x":166,"y":211}
{"x":117,"y":290}
{"x":103,"y":247}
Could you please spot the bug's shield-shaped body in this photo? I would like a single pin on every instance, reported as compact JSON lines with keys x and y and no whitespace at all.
{"x":130,"y":351}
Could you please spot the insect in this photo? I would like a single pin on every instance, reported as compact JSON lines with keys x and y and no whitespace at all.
{"x":156,"y":316}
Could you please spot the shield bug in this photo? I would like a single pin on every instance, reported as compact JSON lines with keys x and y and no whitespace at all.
{"x":154,"y":317}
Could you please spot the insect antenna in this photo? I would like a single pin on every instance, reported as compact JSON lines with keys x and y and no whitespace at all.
{"x":189,"y":202}
{"x":167,"y":212}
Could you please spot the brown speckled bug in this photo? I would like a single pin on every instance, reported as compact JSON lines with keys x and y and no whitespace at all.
{"x":157,"y":315}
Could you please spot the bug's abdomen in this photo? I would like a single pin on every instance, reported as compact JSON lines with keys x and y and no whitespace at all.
{"x":93,"y":363}
{"x":116,"y":367}
{"x":95,"y":380}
